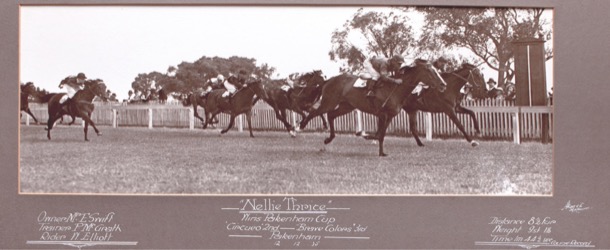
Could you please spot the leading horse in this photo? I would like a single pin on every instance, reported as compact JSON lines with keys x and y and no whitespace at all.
{"x":81,"y":106}
{"x":240,"y":103}
{"x":27,"y":90}
{"x":339,"y":96}
{"x":447,"y":102}
{"x":299,"y":99}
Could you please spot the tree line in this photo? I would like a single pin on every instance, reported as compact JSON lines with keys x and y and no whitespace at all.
{"x":485,"y":33}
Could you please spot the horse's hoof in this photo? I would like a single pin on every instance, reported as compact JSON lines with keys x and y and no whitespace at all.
{"x":474,"y":143}
{"x":86,"y":139}
{"x":327,"y":140}
{"x":293,"y":134}
{"x":222,"y":132}
{"x":420,"y":144}
{"x":99,"y":134}
{"x":383,"y":154}
{"x":359,"y":133}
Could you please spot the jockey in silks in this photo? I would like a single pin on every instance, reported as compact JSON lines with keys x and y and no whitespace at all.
{"x":232,"y":87}
{"x":379,"y":69}
{"x":215,"y":83}
{"x":73,"y":84}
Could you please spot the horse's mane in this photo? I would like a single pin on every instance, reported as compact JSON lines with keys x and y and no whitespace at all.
{"x":276,"y":82}
{"x":408,"y":68}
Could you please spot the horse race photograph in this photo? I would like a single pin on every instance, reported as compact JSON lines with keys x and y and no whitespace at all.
{"x":277,"y":100}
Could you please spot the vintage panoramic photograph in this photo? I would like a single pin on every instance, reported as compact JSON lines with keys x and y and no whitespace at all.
{"x":303,"y":100}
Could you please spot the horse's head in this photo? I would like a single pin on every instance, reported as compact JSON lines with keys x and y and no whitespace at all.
{"x":475,"y":77}
{"x":314,"y":78}
{"x":257,"y":87}
{"x":97,"y":87}
{"x":28,"y":88}
{"x":424,"y":72}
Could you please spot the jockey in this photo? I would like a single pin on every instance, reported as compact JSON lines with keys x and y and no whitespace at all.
{"x":215,"y":83}
{"x":73,"y":84}
{"x":234,"y":83}
{"x":380,"y":68}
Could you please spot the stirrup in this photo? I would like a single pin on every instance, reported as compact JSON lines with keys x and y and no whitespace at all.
{"x":370,"y":94}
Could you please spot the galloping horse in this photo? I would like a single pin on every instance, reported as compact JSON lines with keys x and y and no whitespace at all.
{"x":26,"y":91}
{"x":339,"y":96}
{"x":302,"y":97}
{"x":241,"y":102}
{"x":447,"y":102}
{"x":80,"y":106}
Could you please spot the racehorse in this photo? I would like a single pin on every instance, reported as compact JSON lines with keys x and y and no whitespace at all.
{"x":79,"y":106}
{"x":339,"y":96}
{"x":241,"y":102}
{"x":194,"y":100}
{"x":299,"y":99}
{"x":27,"y":90}
{"x":447,"y":102}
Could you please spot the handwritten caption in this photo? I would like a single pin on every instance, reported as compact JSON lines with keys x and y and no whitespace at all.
{"x":78,"y":226}
{"x":528,"y":233}
{"x":78,"y":230}
{"x":292,"y":222}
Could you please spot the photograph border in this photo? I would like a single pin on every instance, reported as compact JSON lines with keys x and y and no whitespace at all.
{"x":579,"y":153}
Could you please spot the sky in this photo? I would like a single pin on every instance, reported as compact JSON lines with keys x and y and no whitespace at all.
{"x":116,"y":43}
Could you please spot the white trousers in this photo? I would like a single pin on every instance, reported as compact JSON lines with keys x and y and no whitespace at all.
{"x":368,"y":67}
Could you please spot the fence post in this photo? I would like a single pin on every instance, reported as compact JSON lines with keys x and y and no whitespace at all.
{"x":240,"y":123}
{"x":27,"y":120}
{"x":359,"y":125}
{"x":428,"y":126}
{"x":516,"y":128}
{"x":191,"y":119}
{"x":114,"y":118}
{"x":150,"y":118}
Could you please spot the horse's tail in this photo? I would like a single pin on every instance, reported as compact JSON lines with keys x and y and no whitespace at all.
{"x":46,"y":98}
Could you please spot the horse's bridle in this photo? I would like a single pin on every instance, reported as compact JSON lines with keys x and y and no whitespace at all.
{"x":470,"y":74}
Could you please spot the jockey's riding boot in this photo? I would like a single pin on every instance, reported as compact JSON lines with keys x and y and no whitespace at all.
{"x":370,"y":85}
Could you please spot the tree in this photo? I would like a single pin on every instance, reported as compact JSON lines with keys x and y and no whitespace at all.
{"x":371,"y":33}
{"x":487,"y":32}
{"x":191,"y":76}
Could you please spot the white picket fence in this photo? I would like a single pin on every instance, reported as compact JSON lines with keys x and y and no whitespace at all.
{"x":498,"y":120}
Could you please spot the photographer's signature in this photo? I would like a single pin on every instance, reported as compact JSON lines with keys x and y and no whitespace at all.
{"x":575,"y":208}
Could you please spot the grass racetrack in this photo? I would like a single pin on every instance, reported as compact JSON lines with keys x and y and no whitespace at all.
{"x":182,"y":161}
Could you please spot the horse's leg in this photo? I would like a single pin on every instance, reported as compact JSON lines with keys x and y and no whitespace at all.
{"x":206,"y":121}
{"x":196,"y":114}
{"x":460,"y":109}
{"x":249,"y":120}
{"x":456,"y":121}
{"x":86,"y":116}
{"x":73,"y":119}
{"x":343,"y":109}
{"x":230,"y":124}
{"x":86,"y":130}
{"x":413,"y":127}
{"x":32,"y":115}
{"x":326,"y":105}
{"x":280,"y":114}
{"x":50,"y":122}
{"x":324,"y":122}
{"x":384,"y":122}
